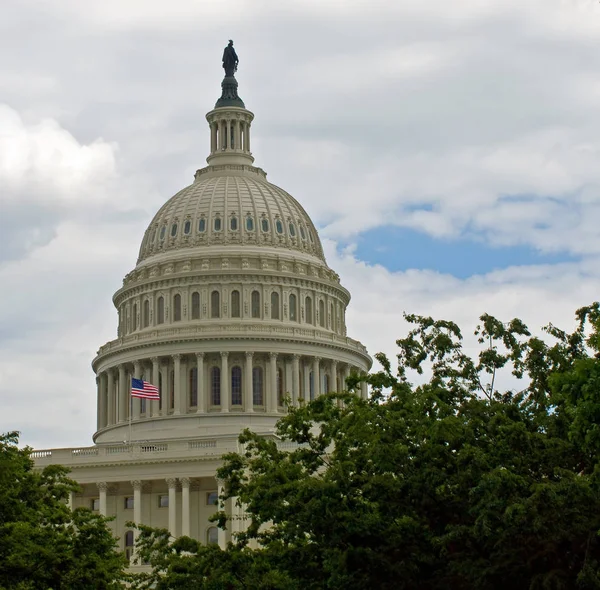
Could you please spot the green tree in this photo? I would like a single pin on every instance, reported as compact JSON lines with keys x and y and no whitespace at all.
{"x":451,"y":483}
{"x":43,"y":544}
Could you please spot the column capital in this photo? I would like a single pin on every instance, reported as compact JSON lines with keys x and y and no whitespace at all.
{"x":200,"y":356}
{"x":137,"y":484}
{"x":137,"y":364}
{"x":249,"y":354}
{"x":102,"y":486}
{"x":224,"y":354}
{"x":171,"y":482}
{"x":273,"y":355}
{"x":155,"y":359}
{"x":317,"y":359}
{"x":176,"y":357}
{"x":295,"y":357}
{"x":185,"y":482}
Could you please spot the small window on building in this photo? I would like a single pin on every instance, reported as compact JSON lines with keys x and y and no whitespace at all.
{"x":279,"y":226}
{"x":308,"y":310}
{"x":255,"y":301}
{"x":129,"y":544}
{"x":202,"y":225}
{"x":128,"y":503}
{"x":302,"y":232}
{"x":233,"y":224}
{"x":212,"y":498}
{"x":264,"y":225}
{"x":235,"y":304}
{"x":212,"y":536}
{"x":274,"y":305}
{"x":160,"y":311}
{"x":293,"y":311}
{"x":193,"y":387}
{"x":215,"y":386}
{"x":257,"y":386}
{"x":236,"y":386}
{"x":163,"y":232}
{"x":280,"y":387}
{"x":163,"y":501}
{"x":95,"y":504}
{"x":134,"y":318}
{"x":195,"y":305}
{"x":321,"y":313}
{"x":173,"y":230}
{"x":292,"y":230}
{"x":215,"y":305}
{"x":217,"y":224}
{"x":249,"y":224}
{"x":146,"y":313}
{"x":187,"y":227}
{"x":177,"y":308}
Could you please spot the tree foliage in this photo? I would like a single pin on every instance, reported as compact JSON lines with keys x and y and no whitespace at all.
{"x":449,"y":483}
{"x":43,"y":543}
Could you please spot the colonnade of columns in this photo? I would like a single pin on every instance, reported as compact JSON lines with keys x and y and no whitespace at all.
{"x":188,"y":384}
{"x":230,"y":134}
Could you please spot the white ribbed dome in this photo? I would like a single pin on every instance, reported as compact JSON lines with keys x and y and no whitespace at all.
{"x":231,"y":205}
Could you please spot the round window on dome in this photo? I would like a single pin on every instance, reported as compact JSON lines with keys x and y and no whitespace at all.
{"x":264,"y":225}
{"x":292,"y":230}
{"x":217,"y":224}
{"x":163,"y":231}
{"x":249,"y":224}
{"x":187,"y":227}
{"x":173,"y":230}
{"x":202,"y":225}
{"x":233,"y":223}
{"x":279,"y":227}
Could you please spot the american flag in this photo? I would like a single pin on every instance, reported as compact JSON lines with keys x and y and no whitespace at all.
{"x":144,"y":389}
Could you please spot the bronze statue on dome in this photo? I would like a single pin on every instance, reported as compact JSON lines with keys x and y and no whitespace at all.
{"x":230,"y":60}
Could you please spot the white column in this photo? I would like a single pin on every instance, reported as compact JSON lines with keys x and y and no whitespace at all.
{"x":221,"y":534}
{"x":317,"y":376}
{"x":346,"y":375}
{"x":172,"y":483}
{"x":238,"y":135}
{"x":102,"y":489}
{"x":225,"y":382}
{"x":333,"y":385}
{"x":213,"y":137}
{"x":136,"y":401}
{"x":248,"y":393}
{"x":71,"y":500}
{"x":287,"y":388}
{"x":364,"y":390}
{"x":137,"y":501}
{"x":164,"y":392}
{"x":124,"y":393}
{"x":111,"y":418}
{"x":247,"y":146}
{"x":183,"y":387}
{"x":228,"y":134}
{"x":155,"y":373}
{"x":295,"y":379}
{"x":185,"y":506}
{"x":98,"y":402}
{"x":272,"y":390}
{"x":201,"y":404}
{"x":306,"y":393}
{"x":177,"y":383}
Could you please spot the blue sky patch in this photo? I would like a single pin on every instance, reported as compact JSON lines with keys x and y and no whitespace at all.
{"x":400,"y":248}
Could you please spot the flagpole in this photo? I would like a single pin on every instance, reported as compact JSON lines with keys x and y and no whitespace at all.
{"x":130,"y":412}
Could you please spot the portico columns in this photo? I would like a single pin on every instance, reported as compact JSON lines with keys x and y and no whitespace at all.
{"x":102,"y":489}
{"x":316,"y":377}
{"x":201,"y":402}
{"x":248,"y":392}
{"x":295,"y":379}
{"x":155,"y":380}
{"x":177,"y":383}
{"x":272,"y":393}
{"x":136,"y":401}
{"x":172,"y":483}
{"x":224,"y":382}
{"x":123,"y":391}
{"x":185,"y":506}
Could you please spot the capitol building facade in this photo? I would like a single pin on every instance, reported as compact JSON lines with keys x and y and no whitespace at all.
{"x":232,"y":311}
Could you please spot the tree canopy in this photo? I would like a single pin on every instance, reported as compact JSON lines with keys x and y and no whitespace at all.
{"x":452,"y":482}
{"x":44,"y":545}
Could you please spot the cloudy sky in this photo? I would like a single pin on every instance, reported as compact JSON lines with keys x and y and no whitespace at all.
{"x":449,"y":153}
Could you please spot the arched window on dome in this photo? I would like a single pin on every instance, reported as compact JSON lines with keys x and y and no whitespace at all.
{"x":163,"y":232}
{"x":160,"y":310}
{"x":146,"y":314}
{"x":308,"y":310}
{"x":255,"y":304}
{"x":187,"y":227}
{"x":134,"y":320}
{"x":236,"y":386}
{"x":215,"y":305}
{"x":321,"y":313}
{"x":212,"y":535}
{"x":279,"y":226}
{"x":274,"y":305}
{"x":292,"y":228}
{"x":177,"y":308}
{"x":302,"y":232}
{"x":215,"y":386}
{"x":249,"y":223}
{"x":173,"y":230}
{"x":279,"y":387}
{"x":293,"y":308}
{"x":202,"y":225}
{"x":217,"y":224}
{"x":193,"y":388}
{"x":257,"y":386}
{"x":233,"y":223}
{"x":264,"y":224}
{"x":195,"y":305}
{"x":235,"y":304}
